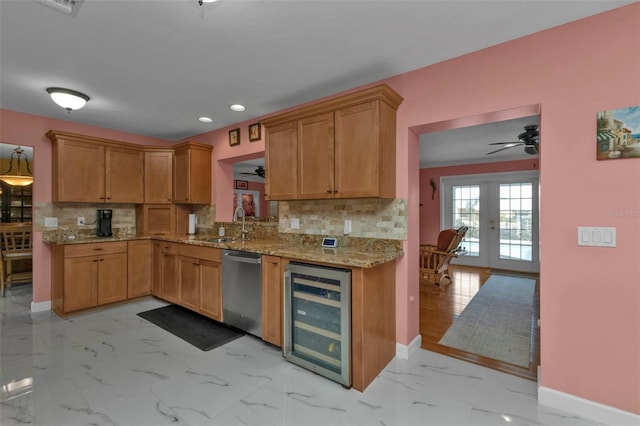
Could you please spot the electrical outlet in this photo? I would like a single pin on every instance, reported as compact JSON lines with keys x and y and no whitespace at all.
{"x":347,"y":227}
{"x":81,"y":221}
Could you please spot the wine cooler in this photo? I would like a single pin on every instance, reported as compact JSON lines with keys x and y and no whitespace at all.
{"x":317,"y":320}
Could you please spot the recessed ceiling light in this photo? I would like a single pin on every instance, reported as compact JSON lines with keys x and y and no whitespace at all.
{"x":237,"y":107}
{"x":206,"y":119}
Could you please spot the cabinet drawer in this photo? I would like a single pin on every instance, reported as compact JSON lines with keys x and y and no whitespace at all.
{"x":167,"y":248}
{"x":90,"y":249}
{"x":198,"y":252}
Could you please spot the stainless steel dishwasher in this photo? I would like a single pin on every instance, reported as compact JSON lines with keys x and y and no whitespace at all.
{"x":242,"y":291}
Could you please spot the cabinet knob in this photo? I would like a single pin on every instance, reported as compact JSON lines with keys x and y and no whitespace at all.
{"x":328,"y":191}
{"x":97,"y":249}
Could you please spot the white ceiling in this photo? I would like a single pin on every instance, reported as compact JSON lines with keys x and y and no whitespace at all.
{"x":153,"y":67}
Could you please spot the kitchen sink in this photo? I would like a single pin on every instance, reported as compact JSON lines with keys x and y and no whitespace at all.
{"x":220,"y":240}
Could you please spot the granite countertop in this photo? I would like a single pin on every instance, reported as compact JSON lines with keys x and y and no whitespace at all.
{"x":360,"y":257}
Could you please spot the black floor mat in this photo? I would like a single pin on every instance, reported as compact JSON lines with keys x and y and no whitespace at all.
{"x":202,"y":332}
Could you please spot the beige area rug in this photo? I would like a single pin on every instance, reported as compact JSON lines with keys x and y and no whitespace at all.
{"x":497,"y":322}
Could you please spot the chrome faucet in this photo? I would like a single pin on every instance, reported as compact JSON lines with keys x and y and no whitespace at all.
{"x":244,"y":234}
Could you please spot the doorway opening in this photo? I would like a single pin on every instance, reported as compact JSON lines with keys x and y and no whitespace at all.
{"x":465,"y":180}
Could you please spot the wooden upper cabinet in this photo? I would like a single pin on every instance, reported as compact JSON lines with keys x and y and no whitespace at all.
{"x":158,"y":176}
{"x":95,"y":170}
{"x":78,"y":171}
{"x":345,"y":147}
{"x":316,"y":157}
{"x":192,"y":173}
{"x":124,"y":175}
{"x":365,"y":151}
{"x":281,"y":162}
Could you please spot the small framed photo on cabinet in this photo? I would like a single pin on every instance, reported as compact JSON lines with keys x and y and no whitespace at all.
{"x":254,"y":132}
{"x":234,"y":137}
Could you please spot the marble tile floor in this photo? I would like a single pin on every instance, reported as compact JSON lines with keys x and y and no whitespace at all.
{"x":111,"y":367}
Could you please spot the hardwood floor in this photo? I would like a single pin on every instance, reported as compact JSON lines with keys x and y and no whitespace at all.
{"x":439,"y":308}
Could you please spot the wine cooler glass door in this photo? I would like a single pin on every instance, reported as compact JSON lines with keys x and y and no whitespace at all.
{"x":317,"y":321}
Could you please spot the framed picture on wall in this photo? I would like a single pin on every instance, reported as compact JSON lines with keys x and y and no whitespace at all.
{"x":234,"y":137}
{"x":242,"y":184}
{"x":618,"y":133}
{"x":254,"y":132}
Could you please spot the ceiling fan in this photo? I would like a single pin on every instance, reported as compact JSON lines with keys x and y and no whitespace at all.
{"x":528,"y":138}
{"x":258,"y":172}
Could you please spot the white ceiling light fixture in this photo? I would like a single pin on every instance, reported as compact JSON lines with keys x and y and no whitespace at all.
{"x":67,"y":98}
{"x":237,"y":107}
{"x":206,"y":119}
{"x":200,"y":2}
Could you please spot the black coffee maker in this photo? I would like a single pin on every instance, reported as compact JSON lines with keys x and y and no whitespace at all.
{"x":104,"y":223}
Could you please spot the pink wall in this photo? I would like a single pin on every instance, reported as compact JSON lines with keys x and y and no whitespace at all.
{"x":590,"y":297}
{"x":29,"y":130}
{"x":590,"y":336}
{"x":430,"y":209}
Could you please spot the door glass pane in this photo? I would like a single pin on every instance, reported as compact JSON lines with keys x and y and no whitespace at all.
{"x":516,"y":221}
{"x":466,"y":211}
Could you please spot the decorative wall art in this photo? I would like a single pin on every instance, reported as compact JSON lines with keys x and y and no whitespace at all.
{"x":242,"y":184}
{"x":234,"y":137}
{"x":618,"y":134}
{"x":254,"y":132}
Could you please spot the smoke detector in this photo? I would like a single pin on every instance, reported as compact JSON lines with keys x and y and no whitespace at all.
{"x":70,"y":7}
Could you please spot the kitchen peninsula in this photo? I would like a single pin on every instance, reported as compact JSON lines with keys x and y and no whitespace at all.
{"x":150,"y":266}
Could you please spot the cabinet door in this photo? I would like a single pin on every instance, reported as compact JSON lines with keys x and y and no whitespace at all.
{"x":124,"y":175}
{"x":139,"y":261}
{"x":357,"y":151}
{"x":315,"y":157}
{"x":112,"y":278}
{"x":158,"y":177}
{"x":156,"y":270}
{"x":192,"y":174}
{"x":80,"y":283}
{"x":188,"y":282}
{"x":271,"y":300}
{"x":169,"y":277}
{"x":281,"y":162}
{"x":210,"y":289}
{"x":181,"y":176}
{"x":80,"y":172}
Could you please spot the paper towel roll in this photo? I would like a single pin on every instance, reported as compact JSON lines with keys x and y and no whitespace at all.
{"x":192,"y":224}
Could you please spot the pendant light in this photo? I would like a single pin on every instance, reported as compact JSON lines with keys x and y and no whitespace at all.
{"x":67,"y":98}
{"x":18,"y":179}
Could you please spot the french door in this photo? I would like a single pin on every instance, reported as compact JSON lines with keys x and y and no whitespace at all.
{"x":501,"y":211}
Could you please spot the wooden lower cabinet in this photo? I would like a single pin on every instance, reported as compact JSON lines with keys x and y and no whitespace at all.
{"x":168,"y":273}
{"x":272,"y":270}
{"x":188,"y":275}
{"x":88,"y":275}
{"x":210,"y":303}
{"x":139,"y":262}
{"x":188,"y":278}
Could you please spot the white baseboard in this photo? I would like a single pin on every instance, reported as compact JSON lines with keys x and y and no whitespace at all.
{"x":585,"y":408}
{"x":406,"y":351}
{"x":41,"y":306}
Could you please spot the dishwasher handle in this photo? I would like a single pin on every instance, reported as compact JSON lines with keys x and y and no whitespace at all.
{"x":252,"y":260}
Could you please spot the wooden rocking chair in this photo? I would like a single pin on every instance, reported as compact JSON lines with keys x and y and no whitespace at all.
{"x":434,"y":259}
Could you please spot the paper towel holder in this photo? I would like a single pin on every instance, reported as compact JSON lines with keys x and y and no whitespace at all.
{"x":193,"y":220}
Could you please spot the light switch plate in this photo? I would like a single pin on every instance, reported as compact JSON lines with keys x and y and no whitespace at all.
{"x":50,"y":222}
{"x":596,"y":236}
{"x":295,"y":223}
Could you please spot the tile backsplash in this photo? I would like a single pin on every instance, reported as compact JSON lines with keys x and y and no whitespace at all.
{"x":370,"y":218}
